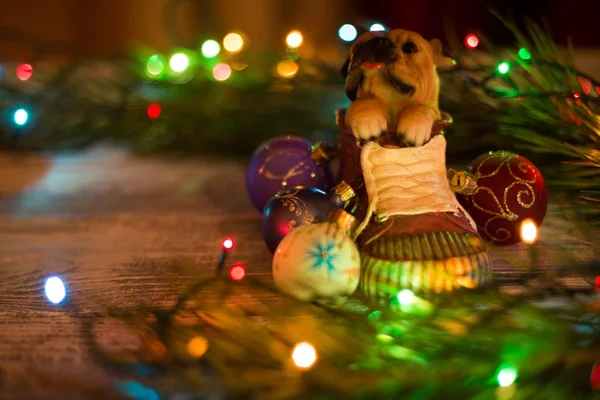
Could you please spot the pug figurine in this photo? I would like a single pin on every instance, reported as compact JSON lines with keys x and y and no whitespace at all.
{"x":414,"y":235}
{"x":393,"y":85}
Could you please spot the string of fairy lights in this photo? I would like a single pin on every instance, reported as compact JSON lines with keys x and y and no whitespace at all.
{"x":222,"y":59}
{"x":303,"y":355}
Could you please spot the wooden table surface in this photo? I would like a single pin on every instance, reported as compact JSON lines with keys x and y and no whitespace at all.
{"x":122,"y":232}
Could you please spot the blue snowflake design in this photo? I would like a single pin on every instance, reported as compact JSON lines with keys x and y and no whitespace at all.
{"x":322,"y":256}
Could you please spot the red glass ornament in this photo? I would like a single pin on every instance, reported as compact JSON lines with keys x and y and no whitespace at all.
{"x":595,"y":377}
{"x":597,"y":283}
{"x":510,"y":189}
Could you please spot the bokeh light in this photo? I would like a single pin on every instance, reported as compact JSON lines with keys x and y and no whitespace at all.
{"x":294,"y":39}
{"x":471,"y":41}
{"x":306,"y":51}
{"x":406,"y":297}
{"x":529,"y":231}
{"x":210,"y":48}
{"x":55,"y":290}
{"x":233,"y":43}
{"x":179,"y":62}
{"x":595,"y":377}
{"x":506,"y":376}
{"x":24,"y":71}
{"x":153,"y":111}
{"x":377,"y":27}
{"x":221,"y":72}
{"x":21,"y":116}
{"x":287,"y":68}
{"x":503,"y":67}
{"x":237,"y":272}
{"x":155,"y":65}
{"x":197,"y":346}
{"x":347,"y":32}
{"x":304,"y":355}
{"x":524,"y":53}
{"x":383,"y":338}
{"x":239,"y":66}
{"x":135,"y":390}
{"x":227,"y":243}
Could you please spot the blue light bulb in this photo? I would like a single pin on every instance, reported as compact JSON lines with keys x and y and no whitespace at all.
{"x":21,"y":116}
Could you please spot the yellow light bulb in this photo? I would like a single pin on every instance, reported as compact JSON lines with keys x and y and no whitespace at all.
{"x":304,"y":355}
{"x":233,"y":42}
{"x":294,"y":39}
{"x":529,"y":231}
{"x":287,"y":68}
{"x":197,"y":346}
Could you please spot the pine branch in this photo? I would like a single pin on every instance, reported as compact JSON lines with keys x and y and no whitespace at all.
{"x":543,"y":102}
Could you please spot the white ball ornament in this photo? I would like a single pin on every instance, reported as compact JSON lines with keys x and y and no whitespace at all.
{"x":319,"y":262}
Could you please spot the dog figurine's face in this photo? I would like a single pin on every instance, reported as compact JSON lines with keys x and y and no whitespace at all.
{"x":397,"y":67}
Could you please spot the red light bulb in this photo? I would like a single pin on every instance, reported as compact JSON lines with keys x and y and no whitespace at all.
{"x":237,"y":272}
{"x":471,"y":41}
{"x":153,"y":111}
{"x":228,"y":243}
{"x":586,"y":90}
{"x":597,"y":283}
{"x":595,"y":377}
{"x":24,"y":72}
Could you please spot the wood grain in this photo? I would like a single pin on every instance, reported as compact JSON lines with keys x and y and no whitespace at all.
{"x":125,"y":232}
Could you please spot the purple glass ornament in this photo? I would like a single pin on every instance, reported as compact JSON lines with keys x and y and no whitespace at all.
{"x":282,"y":163}
{"x":293,"y":207}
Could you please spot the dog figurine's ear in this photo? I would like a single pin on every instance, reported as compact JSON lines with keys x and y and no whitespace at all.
{"x":439,"y":58}
{"x":344,"y":69}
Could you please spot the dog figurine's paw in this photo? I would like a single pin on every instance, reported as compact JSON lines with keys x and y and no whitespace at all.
{"x":415,"y":123}
{"x":367,"y":119}
{"x":414,"y":134}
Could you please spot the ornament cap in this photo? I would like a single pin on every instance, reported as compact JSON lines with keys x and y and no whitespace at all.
{"x":343,"y":219}
{"x":462,"y":182}
{"x":344,"y":191}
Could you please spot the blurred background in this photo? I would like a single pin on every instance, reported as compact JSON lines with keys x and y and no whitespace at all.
{"x":95,"y":27}
{"x":75,"y":72}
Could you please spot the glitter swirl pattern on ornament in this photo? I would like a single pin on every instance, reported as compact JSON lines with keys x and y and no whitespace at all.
{"x":299,"y":168}
{"x":523,"y":180}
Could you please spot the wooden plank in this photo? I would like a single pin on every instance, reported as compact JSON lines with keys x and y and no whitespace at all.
{"x":125,"y":232}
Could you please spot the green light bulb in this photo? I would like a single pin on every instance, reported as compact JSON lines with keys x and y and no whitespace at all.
{"x":155,"y":65}
{"x":210,"y":48}
{"x":383,"y":338}
{"x":406,"y":297}
{"x":503,"y":67}
{"x":506,"y":376}
{"x":524,"y":53}
{"x":179,"y":62}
